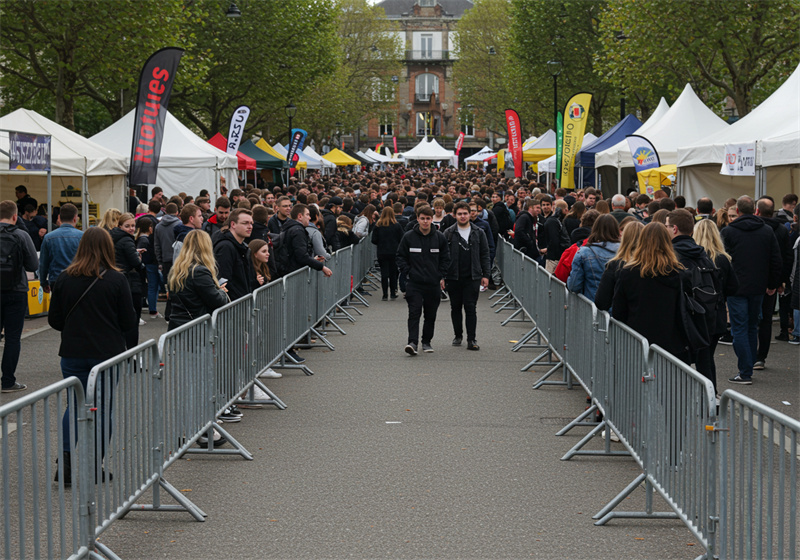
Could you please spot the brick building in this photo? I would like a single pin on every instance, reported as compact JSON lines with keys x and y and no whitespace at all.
{"x":427,"y":101}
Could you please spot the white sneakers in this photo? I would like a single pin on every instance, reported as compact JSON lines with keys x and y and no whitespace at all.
{"x":271,"y":373}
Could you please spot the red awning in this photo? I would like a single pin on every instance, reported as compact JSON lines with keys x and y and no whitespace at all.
{"x":245,"y":162}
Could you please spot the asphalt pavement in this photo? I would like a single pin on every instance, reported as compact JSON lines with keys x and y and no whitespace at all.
{"x":382,"y":455}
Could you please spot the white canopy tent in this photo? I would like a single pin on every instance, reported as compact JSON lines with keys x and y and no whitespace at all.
{"x":96,"y":173}
{"x":774,"y":128}
{"x":187,"y":164}
{"x":430,"y":150}
{"x":367,"y":157}
{"x":309,"y":152}
{"x":480,"y":156}
{"x":376,"y":156}
{"x":311,"y":162}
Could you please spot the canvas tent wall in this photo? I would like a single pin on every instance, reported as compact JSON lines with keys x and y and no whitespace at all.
{"x":774,"y":127}
{"x":187,"y":164}
{"x":96,"y":173}
{"x":541,"y":148}
{"x":326,"y":165}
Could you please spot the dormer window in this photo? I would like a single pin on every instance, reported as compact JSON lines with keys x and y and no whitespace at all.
{"x":427,"y":3}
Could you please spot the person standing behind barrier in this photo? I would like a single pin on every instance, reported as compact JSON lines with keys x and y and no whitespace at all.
{"x":92,"y":307}
{"x":213,"y":227}
{"x":590,"y":260}
{"x":525,"y":230}
{"x":363,"y":222}
{"x":706,"y":235}
{"x":283,"y":208}
{"x":756,"y":260}
{"x":59,"y":247}
{"x":469,"y":270}
{"x":233,"y":256}
{"x":298,"y":252}
{"x":165,"y":236}
{"x":129,"y":262}
{"x":424,"y":256}
{"x":629,"y":240}
{"x":318,"y":248}
{"x":648,"y":294}
{"x":386,"y":237}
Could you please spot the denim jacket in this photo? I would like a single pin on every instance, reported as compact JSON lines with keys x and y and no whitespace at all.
{"x":588,"y":266}
{"x":58,"y":249}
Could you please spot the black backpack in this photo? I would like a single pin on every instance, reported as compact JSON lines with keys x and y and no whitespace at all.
{"x":704,"y":277}
{"x":11,"y":258}
{"x":280,"y":248}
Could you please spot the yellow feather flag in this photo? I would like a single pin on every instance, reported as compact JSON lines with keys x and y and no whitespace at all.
{"x":575,"y":116}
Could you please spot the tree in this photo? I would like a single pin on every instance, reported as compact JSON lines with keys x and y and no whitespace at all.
{"x":488,"y":77}
{"x":734,"y":48}
{"x":56,"y":53}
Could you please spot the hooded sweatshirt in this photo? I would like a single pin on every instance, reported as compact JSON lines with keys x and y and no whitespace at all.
{"x":755,"y":255}
{"x":165,"y":237}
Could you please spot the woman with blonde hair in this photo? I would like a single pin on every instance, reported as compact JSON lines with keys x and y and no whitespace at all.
{"x":194,"y":289}
{"x":627,"y":245}
{"x":648,"y":293}
{"x":110,"y":219}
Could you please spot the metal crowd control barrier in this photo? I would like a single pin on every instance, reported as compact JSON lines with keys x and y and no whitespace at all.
{"x":758,"y":473}
{"x":38,"y":519}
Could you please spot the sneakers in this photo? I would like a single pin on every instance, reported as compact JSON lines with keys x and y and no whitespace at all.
{"x":156,"y":315}
{"x":457,"y":341}
{"x":142,"y":322}
{"x":271,"y":374}
{"x":472,"y":345}
{"x":427,"y":348}
{"x":14,"y":388}
{"x":411,"y":349}
{"x":394,"y":295}
{"x":739,"y":380}
{"x":783,"y":336}
{"x":612,"y":436}
{"x":483,"y":288}
{"x":759,"y":365}
{"x":231,"y":415}
{"x":219,"y":440}
{"x":295,"y":356}
{"x":726,"y":339}
{"x":385,"y":298}
{"x":794,"y":340}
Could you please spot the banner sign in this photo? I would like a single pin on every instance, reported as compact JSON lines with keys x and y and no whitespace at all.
{"x":30,"y":152}
{"x":236,"y":130}
{"x":155,"y":88}
{"x":740,"y":160}
{"x":459,"y":142}
{"x":378,"y":147}
{"x":559,"y":142}
{"x":394,"y":140}
{"x":575,"y":116}
{"x":295,"y":145}
{"x":643,"y":153}
{"x":515,"y":140}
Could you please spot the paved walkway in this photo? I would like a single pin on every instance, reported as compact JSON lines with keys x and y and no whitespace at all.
{"x":443,"y":455}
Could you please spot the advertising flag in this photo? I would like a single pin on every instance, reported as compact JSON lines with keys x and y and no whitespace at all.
{"x":394,"y":140}
{"x":236,"y":130}
{"x":644,"y":157}
{"x":575,"y":116}
{"x":459,"y":142}
{"x":515,"y":140}
{"x":295,"y":145}
{"x":28,"y":152}
{"x":155,"y":89}
{"x":740,"y":160}
{"x":378,"y":147}
{"x":559,"y":141}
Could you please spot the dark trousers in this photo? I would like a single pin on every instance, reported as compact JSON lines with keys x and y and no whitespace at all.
{"x":421,"y":299}
{"x":704,"y":361}
{"x":80,"y":368}
{"x":765,"y":326}
{"x":464,"y":294}
{"x":389,"y":273}
{"x":132,"y":336}
{"x":13,"y":308}
{"x":785,"y":308}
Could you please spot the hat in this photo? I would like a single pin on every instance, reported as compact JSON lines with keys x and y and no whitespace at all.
{"x":335,"y":201}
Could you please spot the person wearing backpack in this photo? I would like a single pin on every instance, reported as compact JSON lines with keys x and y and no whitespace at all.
{"x":556,"y":236}
{"x":293,"y":247}
{"x":705,"y":280}
{"x":17,"y":255}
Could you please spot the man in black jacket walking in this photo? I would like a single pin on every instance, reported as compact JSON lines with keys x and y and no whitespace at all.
{"x":757,"y":265}
{"x":233,"y":256}
{"x":423,"y":255}
{"x":469,"y":269}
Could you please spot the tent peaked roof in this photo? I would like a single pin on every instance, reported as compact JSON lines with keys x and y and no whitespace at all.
{"x":686,"y":121}
{"x":546,"y":141}
{"x":614,"y":135}
{"x":481,"y":155}
{"x":220,"y":142}
{"x":340,"y":158}
{"x":309,"y":151}
{"x":263,"y":159}
{"x":376,"y":156}
{"x":264,"y":145}
{"x":778,"y":115}
{"x":70,"y":153}
{"x":428,"y":149}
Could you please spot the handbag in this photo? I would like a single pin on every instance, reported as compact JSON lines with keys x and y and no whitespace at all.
{"x":694,"y":322}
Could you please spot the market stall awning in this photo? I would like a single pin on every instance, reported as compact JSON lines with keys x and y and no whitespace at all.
{"x":340,"y":158}
{"x":263,"y":159}
{"x":245,"y":162}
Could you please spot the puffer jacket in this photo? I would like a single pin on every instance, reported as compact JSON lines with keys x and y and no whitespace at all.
{"x":588,"y":267}
{"x":127,"y":258}
{"x":198,"y":296}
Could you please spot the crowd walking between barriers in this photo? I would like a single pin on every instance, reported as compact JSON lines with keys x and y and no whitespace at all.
{"x":248,"y":287}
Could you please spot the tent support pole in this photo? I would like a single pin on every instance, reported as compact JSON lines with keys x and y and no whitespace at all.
{"x":619,"y":179}
{"x":85,"y":204}
{"x":49,"y":200}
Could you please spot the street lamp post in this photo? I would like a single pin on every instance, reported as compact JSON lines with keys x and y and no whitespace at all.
{"x":554,"y":66}
{"x":291,"y":111}
{"x":621,"y":37}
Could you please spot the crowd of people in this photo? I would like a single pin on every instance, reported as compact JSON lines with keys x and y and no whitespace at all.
{"x":686,"y":278}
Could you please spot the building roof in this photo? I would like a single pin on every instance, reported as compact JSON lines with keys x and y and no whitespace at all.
{"x":397,"y":8}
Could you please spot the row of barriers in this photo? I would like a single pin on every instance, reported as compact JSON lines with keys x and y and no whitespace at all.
{"x":728,"y":471}
{"x":145,"y":408}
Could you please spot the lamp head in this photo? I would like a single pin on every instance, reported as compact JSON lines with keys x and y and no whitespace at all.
{"x":291,"y":110}
{"x":233,"y":11}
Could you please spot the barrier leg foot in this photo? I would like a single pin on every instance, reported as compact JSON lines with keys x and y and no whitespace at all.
{"x":537,"y":359}
{"x":602,"y":515}
{"x":544,"y":381}
{"x":524,"y":339}
{"x":606,"y":451}
{"x":511,"y":304}
{"x":340,"y":313}
{"x":106,"y":552}
{"x":348,"y":306}
{"x":273,"y":398}
{"x":501,"y":293}
{"x":333,"y":324}
{"x":356,"y":295}
{"x":238,"y":447}
{"x":185,"y":504}
{"x":508,"y":296}
{"x":511,"y":317}
{"x":292,"y":364}
{"x":578,"y":421}
{"x":322,"y":339}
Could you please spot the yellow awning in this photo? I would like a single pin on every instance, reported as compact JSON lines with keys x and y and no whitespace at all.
{"x":651,"y":180}
{"x":340,"y":158}
{"x":264,"y":145}
{"x":538,"y":154}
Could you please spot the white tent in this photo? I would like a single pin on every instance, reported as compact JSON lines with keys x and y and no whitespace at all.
{"x":312,"y":162}
{"x":428,"y":149}
{"x":187,"y":164}
{"x":309,"y":152}
{"x":481,"y":155}
{"x":528,"y":142}
{"x":773,"y":126}
{"x":376,"y":156}
{"x":367,"y":157}
{"x":546,"y":141}
{"x":75,"y":161}
{"x":549,"y":165}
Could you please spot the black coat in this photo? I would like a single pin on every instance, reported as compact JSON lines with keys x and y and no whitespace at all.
{"x":95,"y":328}
{"x":198,"y":297}
{"x":425,"y":259}
{"x":481,"y":265}
{"x":329,"y":231}
{"x":127,"y":258}
{"x":579,"y":234}
{"x":651,"y":307}
{"x":234,"y":264}
{"x":299,"y":245}
{"x":387,"y":239}
{"x":756,"y":256}
{"x":503,"y":216}
{"x":525,"y":236}
{"x":784,"y":246}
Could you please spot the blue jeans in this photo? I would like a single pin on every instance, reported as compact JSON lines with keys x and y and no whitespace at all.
{"x":154,"y":283}
{"x":80,"y":368}
{"x":745,"y":313}
{"x":13,"y":308}
{"x":796,"y":331}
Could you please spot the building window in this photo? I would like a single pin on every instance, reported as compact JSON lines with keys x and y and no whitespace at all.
{"x":383,"y":90}
{"x":467,"y":121}
{"x":427,"y":3}
{"x":425,"y":85}
{"x":428,"y":124}
{"x":426,"y":46}
{"x":386,"y":127}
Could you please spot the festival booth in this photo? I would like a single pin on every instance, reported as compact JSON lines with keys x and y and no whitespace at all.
{"x":371,"y":160}
{"x":431,"y":150}
{"x":479,"y":157}
{"x":269,"y":165}
{"x":87,"y":174}
{"x":541,"y":148}
{"x":584,"y":161}
{"x":354,"y":155}
{"x":312,"y":154}
{"x":687,"y":121}
{"x":376,"y":156}
{"x":187,"y":163}
{"x":658,"y":177}
{"x":770,"y":132}
{"x":340,"y":158}
{"x":302,"y":163}
{"x":549,"y":165}
{"x":243,"y":162}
